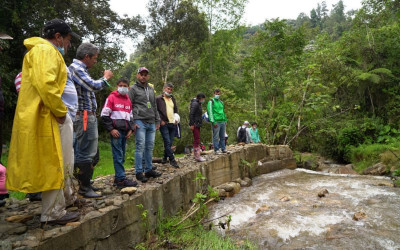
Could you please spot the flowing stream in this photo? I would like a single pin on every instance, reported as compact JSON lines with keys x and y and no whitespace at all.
{"x":283,"y":210}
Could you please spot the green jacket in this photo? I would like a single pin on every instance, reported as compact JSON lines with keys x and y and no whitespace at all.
{"x":215,"y":110}
{"x":255,"y":137}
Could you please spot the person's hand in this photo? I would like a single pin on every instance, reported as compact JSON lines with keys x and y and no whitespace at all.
{"x":115,"y":133}
{"x":129,"y":134}
{"x":108,"y":74}
{"x":162,"y":123}
{"x":215,"y":125}
{"x":192,"y":127}
{"x":61,"y":120}
{"x":157,"y":126}
{"x":135,"y":127}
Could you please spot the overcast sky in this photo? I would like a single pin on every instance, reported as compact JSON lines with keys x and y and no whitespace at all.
{"x":256,"y":12}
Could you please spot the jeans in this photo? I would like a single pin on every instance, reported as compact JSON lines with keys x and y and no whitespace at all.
{"x":86,"y":142}
{"x":145,"y":135}
{"x":168,"y":134}
{"x":219,"y":136}
{"x":118,"y":146}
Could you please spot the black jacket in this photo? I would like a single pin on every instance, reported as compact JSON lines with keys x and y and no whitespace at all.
{"x":195,"y":113}
{"x":162,"y":108}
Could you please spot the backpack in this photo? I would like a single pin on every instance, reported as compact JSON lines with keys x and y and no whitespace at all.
{"x":242,"y":135}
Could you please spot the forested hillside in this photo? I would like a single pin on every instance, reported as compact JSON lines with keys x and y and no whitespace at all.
{"x":324,"y":82}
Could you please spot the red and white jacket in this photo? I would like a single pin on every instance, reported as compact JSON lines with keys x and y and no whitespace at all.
{"x":117,"y":112}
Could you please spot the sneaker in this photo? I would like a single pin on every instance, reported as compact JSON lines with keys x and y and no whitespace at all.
{"x":225,"y":151}
{"x":174,"y":164}
{"x":217,"y":152}
{"x":141,"y":177}
{"x":153,"y":174}
{"x":126,"y":183}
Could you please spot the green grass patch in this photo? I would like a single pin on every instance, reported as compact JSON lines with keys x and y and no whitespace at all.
{"x":186,"y":236}
{"x":367,"y":155}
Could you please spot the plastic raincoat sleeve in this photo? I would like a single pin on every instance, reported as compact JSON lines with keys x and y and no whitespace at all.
{"x":45,"y":70}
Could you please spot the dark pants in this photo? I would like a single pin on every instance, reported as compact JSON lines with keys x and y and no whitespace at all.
{"x":196,"y":137}
{"x":86,"y":142}
{"x":168,"y":134}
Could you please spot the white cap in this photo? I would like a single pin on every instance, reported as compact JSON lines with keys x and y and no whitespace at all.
{"x":246,"y":122}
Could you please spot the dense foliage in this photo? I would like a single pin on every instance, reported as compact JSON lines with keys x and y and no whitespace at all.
{"x":324,"y":82}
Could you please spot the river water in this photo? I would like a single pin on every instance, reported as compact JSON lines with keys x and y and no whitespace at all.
{"x":291,"y":215}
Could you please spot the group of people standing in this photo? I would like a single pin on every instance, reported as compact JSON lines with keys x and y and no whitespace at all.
{"x":55,"y":135}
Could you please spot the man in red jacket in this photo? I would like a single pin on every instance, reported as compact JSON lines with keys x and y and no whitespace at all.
{"x":117,"y":118}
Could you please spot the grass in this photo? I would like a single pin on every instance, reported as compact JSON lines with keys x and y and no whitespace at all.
{"x":367,"y":155}
{"x":186,"y":237}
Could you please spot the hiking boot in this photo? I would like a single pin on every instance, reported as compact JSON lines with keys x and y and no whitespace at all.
{"x":164,"y":161}
{"x":88,"y":192}
{"x":68,"y":217}
{"x":94,"y":188}
{"x":126,"y":183}
{"x":141,"y":177}
{"x":225,"y":151}
{"x":34,"y":196}
{"x":152,"y":173}
{"x":174,"y":164}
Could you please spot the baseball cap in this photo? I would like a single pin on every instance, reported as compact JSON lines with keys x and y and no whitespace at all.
{"x":141,"y":69}
{"x":246,"y":122}
{"x":60,"y":26}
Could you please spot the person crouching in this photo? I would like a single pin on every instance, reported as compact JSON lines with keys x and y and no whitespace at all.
{"x":117,"y":119}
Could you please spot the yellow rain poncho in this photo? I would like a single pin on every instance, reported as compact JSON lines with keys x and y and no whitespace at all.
{"x":35,"y":161}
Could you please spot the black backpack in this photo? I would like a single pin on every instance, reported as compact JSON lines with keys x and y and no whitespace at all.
{"x":242,"y":135}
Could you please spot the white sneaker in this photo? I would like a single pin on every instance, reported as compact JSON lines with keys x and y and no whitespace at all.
{"x":218,"y":152}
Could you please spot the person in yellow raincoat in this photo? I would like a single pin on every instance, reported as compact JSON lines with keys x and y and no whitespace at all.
{"x":35,"y":162}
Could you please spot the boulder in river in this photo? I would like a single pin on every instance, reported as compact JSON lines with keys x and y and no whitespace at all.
{"x":347,"y":169}
{"x":323,"y":193}
{"x":263,"y":208}
{"x":377,"y":169}
{"x":359,"y":216}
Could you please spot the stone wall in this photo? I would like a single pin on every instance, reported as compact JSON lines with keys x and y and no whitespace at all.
{"x":120,"y":227}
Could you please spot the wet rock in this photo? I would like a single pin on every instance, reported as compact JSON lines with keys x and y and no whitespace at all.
{"x":285,"y":198}
{"x":221,"y":192}
{"x":377,"y":169}
{"x":12,"y":228}
{"x":107,"y":209}
{"x":309,"y":164}
{"x":19,"y":218}
{"x":322,"y":193}
{"x":226,"y":187}
{"x":118,"y":202}
{"x":248,"y":180}
{"x":128,"y":190}
{"x":125,"y":197}
{"x":263,"y":208}
{"x":359,"y":216}
{"x":51,"y":233}
{"x":347,"y":169}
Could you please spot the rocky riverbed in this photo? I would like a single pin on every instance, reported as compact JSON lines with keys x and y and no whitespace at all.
{"x":298,"y":209}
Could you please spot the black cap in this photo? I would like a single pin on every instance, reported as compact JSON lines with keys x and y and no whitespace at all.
{"x":60,"y":26}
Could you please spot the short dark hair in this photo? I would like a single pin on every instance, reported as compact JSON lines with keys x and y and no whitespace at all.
{"x":217,"y":90}
{"x":123,"y":79}
{"x":200,"y":96}
{"x":253,"y":123}
{"x":168,"y":84}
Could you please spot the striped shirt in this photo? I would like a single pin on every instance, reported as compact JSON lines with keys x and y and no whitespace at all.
{"x":17,"y":82}
{"x":86,"y":86}
{"x":70,"y":96}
